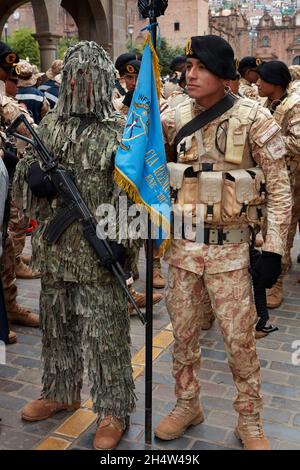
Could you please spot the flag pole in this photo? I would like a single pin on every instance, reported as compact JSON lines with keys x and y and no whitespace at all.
{"x":149,"y":307}
{"x":150,"y":9}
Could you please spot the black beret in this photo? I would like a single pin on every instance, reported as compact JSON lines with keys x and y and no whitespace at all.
{"x":215,"y":53}
{"x":275,"y":72}
{"x":7,"y":57}
{"x":180,"y":59}
{"x":123,"y":59}
{"x":249,"y":62}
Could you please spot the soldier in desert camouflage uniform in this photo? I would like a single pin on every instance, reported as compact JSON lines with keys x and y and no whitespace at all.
{"x":237,"y":151}
{"x":273,"y":83}
{"x":247,"y":69}
{"x":83,"y":309}
{"x":295,"y":75}
{"x":9,"y":110}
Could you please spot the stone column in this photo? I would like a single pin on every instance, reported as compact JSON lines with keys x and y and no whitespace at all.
{"x":48,"y":48}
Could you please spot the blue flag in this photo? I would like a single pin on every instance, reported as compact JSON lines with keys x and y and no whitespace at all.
{"x":141,"y":168}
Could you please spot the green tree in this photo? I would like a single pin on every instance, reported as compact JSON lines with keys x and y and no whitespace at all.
{"x":166,"y":54}
{"x":64,"y":44}
{"x":23,"y":43}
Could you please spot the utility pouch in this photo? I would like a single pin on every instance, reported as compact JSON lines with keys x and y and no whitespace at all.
{"x":184,"y":189}
{"x":210,"y":195}
{"x":243,"y":192}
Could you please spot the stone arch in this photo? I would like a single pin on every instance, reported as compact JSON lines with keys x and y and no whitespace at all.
{"x":103,"y":21}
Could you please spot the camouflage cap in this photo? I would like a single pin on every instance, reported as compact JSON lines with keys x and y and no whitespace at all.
{"x":24,"y":71}
{"x":55,"y":69}
{"x":295,"y":72}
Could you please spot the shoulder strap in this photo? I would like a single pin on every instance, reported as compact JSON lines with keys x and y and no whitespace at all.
{"x":204,"y":118}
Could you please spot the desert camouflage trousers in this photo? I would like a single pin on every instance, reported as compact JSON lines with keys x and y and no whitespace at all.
{"x":294,"y":221}
{"x":231,"y":297}
{"x":91,"y":322}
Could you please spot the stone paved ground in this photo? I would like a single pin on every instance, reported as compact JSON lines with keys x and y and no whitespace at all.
{"x":20,"y":382}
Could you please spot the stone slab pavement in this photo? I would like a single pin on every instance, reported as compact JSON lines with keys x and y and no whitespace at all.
{"x":20,"y":382}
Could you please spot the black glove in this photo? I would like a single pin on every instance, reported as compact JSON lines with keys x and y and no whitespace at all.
{"x":10,"y":160}
{"x":127,"y":99}
{"x":118,"y":255}
{"x":39,"y":182}
{"x":267,"y":269}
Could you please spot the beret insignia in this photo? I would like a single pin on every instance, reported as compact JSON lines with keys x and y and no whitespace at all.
{"x":11,"y":58}
{"x":130,"y":68}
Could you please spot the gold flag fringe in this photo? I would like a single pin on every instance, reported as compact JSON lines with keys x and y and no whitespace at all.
{"x":156,"y":218}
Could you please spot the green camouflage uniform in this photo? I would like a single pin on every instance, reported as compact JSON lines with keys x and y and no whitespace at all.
{"x":83,"y":309}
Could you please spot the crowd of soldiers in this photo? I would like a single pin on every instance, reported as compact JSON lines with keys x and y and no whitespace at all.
{"x":232,"y":139}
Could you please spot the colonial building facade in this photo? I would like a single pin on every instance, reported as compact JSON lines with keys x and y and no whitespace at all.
{"x":268,"y":40}
{"x":182,"y":19}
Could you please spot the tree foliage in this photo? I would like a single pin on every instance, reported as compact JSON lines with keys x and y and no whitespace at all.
{"x":64,"y":44}
{"x":23,"y":43}
{"x":166,"y":54}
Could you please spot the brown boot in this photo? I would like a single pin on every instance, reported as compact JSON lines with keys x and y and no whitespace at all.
{"x":140,"y":299}
{"x":249,"y":430}
{"x":40,"y":409}
{"x":185,"y":413}
{"x":275,"y":295}
{"x":108,"y":434}
{"x":26,"y":259}
{"x":22,"y":316}
{"x":158,"y":278}
{"x":260,"y":334}
{"x":12,"y":337}
{"x":25,"y":272}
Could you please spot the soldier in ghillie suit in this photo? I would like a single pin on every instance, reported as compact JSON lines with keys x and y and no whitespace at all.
{"x":83,"y":309}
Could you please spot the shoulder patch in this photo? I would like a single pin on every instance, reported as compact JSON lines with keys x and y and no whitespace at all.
{"x":268,"y":130}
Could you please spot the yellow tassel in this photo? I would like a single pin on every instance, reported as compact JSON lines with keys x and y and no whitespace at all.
{"x":155,"y":65}
{"x":156,"y":218}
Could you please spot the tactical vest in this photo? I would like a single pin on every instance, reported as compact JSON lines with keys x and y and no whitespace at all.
{"x":223,"y":193}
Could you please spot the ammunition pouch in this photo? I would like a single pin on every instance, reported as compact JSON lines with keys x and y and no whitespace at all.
{"x":227,"y":198}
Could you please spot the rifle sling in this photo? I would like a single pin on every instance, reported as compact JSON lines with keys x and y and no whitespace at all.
{"x":204,"y":118}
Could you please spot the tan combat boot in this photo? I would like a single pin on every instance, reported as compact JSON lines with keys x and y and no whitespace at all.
{"x":23,"y":271}
{"x":12,"y":337}
{"x":43,"y":408}
{"x":275,"y":295}
{"x":22,"y":316}
{"x":26,"y":259}
{"x":249,"y":430}
{"x":140,"y":299}
{"x":109,"y":433}
{"x":158,"y":278}
{"x":185,"y":413}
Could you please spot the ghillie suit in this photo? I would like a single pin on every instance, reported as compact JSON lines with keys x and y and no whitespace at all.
{"x":83,"y":310}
